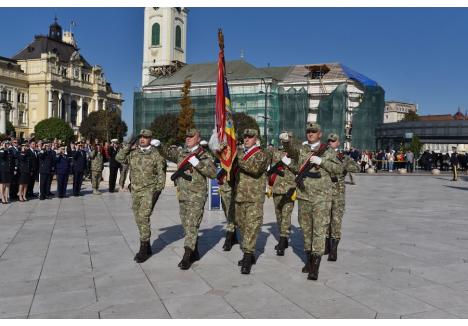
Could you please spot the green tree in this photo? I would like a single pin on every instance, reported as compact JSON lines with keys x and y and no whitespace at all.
{"x":415,"y":146}
{"x":185,"y":120}
{"x":411,"y":116}
{"x":243,"y":121}
{"x":103,"y":125}
{"x":163,"y":128}
{"x":54,"y":128}
{"x":10,"y":129}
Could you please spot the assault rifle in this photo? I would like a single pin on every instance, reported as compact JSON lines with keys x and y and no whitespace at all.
{"x":180,"y":173}
{"x":304,"y":171}
{"x":275,"y":169}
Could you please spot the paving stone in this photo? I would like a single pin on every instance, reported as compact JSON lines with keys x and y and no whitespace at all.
{"x":200,"y":306}
{"x":147,"y":310}
{"x":59,"y":301}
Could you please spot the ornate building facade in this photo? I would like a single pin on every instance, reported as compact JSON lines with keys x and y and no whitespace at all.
{"x":50,"y":78}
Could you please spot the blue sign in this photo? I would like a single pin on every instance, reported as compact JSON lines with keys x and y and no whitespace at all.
{"x":214,"y":198}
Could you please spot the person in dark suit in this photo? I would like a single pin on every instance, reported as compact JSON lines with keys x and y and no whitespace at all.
{"x":14,"y":177}
{"x":24,"y":171}
{"x":62,"y":170}
{"x":114,"y":166}
{"x":46,"y":164}
{"x":33,"y":157}
{"x":7,"y":166}
{"x":79,"y":166}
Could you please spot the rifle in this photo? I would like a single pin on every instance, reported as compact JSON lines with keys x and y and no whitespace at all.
{"x":275,"y":169}
{"x":304,"y":170}
{"x":184,"y":167}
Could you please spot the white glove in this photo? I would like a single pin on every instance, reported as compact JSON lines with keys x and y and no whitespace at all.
{"x":155,"y":142}
{"x":194,"y":161}
{"x":315,"y":160}
{"x":284,"y":136}
{"x":213,"y":143}
{"x":286,"y":160}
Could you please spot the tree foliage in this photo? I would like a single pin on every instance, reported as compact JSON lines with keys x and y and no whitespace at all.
{"x":103,"y":125}
{"x":10,"y":129}
{"x":243,"y":121}
{"x":185,"y":120}
{"x":411,"y":116}
{"x":54,"y":128}
{"x":415,"y":146}
{"x":165,"y":128}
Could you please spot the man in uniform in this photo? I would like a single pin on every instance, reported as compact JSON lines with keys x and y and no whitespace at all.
{"x":148,"y":173}
{"x":79,"y":166}
{"x":114,"y":166}
{"x":97,"y":165}
{"x":194,"y":166}
{"x":338,"y":198}
{"x":250,"y":195}
{"x":46,"y":168}
{"x":63,"y":171}
{"x":315,"y":162}
{"x":33,"y":157}
{"x":281,"y":180}
{"x":454,"y":163}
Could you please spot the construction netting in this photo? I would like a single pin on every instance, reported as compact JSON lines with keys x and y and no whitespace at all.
{"x":286,"y":109}
{"x":331,"y":113}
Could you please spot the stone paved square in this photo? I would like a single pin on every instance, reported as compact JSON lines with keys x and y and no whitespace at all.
{"x":404,"y":254}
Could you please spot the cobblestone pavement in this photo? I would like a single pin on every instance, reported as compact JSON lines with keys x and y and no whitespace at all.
{"x":404,"y":254}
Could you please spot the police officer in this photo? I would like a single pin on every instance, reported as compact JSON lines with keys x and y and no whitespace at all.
{"x":79,"y":167}
{"x":114,"y":166}
{"x":33,"y":157}
{"x":46,"y":165}
{"x":281,"y":181}
{"x":97,"y":165}
{"x":62,"y":171}
{"x":14,"y":186}
{"x":194,"y":166}
{"x":315,"y":162}
{"x":338,"y":198}
{"x":148,"y":173}
{"x":249,"y":191}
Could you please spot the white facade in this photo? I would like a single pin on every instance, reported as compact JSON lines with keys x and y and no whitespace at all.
{"x":395,"y":111}
{"x":163,"y":49}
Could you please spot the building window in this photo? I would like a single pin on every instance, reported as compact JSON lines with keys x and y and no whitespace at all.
{"x":21,"y":117}
{"x":22,"y":98}
{"x":73,"y":113}
{"x":155,"y":34}
{"x":178,"y":37}
{"x":84,"y":114}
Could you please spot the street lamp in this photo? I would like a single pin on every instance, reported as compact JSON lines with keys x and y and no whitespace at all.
{"x":265,"y":117}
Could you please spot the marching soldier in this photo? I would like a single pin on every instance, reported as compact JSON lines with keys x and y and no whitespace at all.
{"x":250,"y":195}
{"x":281,"y":180}
{"x":97,"y":165}
{"x":114,"y":166}
{"x":314,"y":162}
{"x":194,"y":166}
{"x":338,"y":198}
{"x":148,"y":174}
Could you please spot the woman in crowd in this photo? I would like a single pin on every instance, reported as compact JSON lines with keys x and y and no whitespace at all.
{"x":7,"y":166}
{"x":24,"y":168}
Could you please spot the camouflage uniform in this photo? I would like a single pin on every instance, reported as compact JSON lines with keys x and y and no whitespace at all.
{"x":123,"y":175}
{"x":228,"y":203}
{"x":97,"y":165}
{"x":250,"y":196}
{"x":148,"y":174}
{"x":192,"y":195}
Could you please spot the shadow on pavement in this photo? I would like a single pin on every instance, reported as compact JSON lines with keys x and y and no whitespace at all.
{"x":209,"y":238}
{"x":460,"y":188}
{"x":170,"y":235}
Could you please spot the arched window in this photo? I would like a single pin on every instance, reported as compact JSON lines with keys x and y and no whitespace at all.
{"x":155,"y":31}
{"x":178,"y":37}
{"x":73,"y":113}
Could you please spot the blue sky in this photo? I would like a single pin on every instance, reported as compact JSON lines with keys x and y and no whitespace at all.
{"x":417,"y":55}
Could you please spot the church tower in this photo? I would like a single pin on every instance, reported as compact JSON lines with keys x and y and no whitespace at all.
{"x":164,"y":43}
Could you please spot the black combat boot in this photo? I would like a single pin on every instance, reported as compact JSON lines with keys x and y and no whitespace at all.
{"x":252,"y":259}
{"x":327,"y":246}
{"x":333,"y":255}
{"x":281,"y":246}
{"x":247,"y":263}
{"x":314,"y":266}
{"x":231,"y":239}
{"x":195,"y":254}
{"x":306,"y":267}
{"x":186,"y":261}
{"x":144,"y":253}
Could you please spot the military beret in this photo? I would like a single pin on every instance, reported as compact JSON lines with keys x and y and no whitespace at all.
{"x":191,"y":132}
{"x":251,"y":132}
{"x":145,"y":133}
{"x":313,"y":126}
{"x":333,"y":137}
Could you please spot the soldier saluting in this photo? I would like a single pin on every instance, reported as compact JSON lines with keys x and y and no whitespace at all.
{"x":315,"y":162}
{"x":194,"y":166}
{"x":148,"y":174}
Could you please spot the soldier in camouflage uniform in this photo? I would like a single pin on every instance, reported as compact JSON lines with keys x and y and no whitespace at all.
{"x":192,"y":194}
{"x":250,"y":195}
{"x":227,"y":201}
{"x":148,"y":174}
{"x":283,"y":187}
{"x":315,"y":198}
{"x":338,"y":198}
{"x":97,"y":165}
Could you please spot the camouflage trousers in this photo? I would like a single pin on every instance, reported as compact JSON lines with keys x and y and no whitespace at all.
{"x":249,"y":218}
{"x":123,"y":175}
{"x":314,"y":219}
{"x":142,"y":205}
{"x":227,"y":201}
{"x":191,"y":214}
{"x":96,"y":177}
{"x":283,"y":210}
{"x":337,"y":212}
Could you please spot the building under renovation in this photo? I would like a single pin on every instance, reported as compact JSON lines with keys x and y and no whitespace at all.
{"x":279,"y":98}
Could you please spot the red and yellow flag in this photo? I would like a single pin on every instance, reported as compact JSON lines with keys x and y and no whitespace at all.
{"x":224,"y":119}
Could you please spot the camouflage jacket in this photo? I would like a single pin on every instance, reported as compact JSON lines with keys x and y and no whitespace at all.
{"x":147,"y":168}
{"x":281,"y":184}
{"x":251,"y":177}
{"x":197,"y":189}
{"x":349,"y":165}
{"x":323,"y":183}
{"x":97,"y":161}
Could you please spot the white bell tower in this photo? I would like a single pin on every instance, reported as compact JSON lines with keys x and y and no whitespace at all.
{"x":164,"y":43}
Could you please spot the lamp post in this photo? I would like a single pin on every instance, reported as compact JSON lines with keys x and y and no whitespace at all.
{"x":265,"y":117}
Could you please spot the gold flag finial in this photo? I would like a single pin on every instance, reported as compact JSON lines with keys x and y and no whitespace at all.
{"x":220,"y":39}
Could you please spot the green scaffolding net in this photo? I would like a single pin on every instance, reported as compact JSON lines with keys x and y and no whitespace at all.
{"x":331,"y":113}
